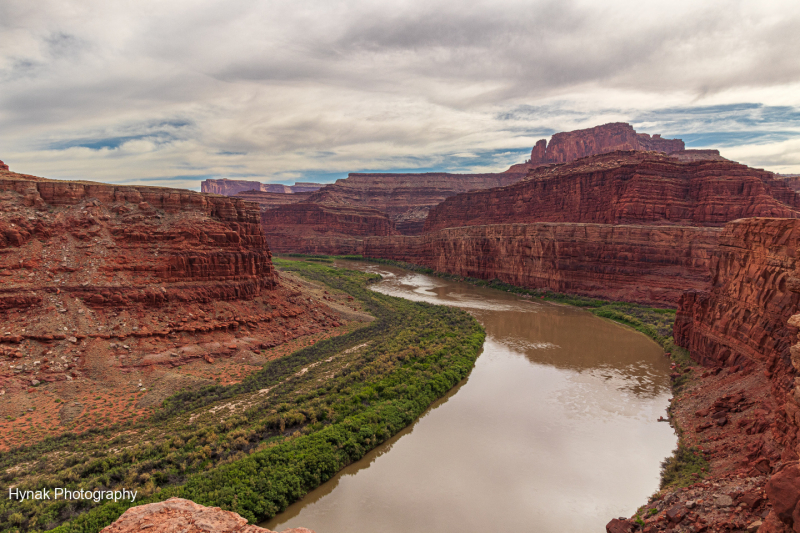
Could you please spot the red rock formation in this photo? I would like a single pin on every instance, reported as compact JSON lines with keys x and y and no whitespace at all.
{"x":747,"y":322}
{"x":791,"y":180}
{"x":3,"y":166}
{"x":648,"y":264}
{"x":178,"y":514}
{"x":100,"y":283}
{"x":625,"y":188}
{"x":406,"y":198}
{"x":228,"y":187}
{"x":314,"y":228}
{"x":268,"y":200}
{"x":571,"y":145}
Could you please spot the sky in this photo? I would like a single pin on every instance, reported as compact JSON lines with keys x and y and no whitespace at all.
{"x":172,"y":92}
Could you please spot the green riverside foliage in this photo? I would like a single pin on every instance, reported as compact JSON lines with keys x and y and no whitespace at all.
{"x":256,"y":447}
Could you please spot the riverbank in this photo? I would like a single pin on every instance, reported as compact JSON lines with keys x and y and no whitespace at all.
{"x":257,"y":446}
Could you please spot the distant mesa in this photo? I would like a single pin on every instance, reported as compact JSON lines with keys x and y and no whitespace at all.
{"x":3,"y":166}
{"x":229,"y":187}
{"x":571,"y":145}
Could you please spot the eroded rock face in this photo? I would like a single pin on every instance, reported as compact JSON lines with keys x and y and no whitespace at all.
{"x":571,"y":145}
{"x":315,"y":228}
{"x":229,"y":187}
{"x":269,"y":200}
{"x":746,"y":323}
{"x":178,"y":514}
{"x":625,"y":188}
{"x":117,"y":288}
{"x":406,"y":198}
{"x":648,"y":264}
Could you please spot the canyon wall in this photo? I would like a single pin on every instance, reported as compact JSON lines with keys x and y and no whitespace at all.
{"x":647,"y":264}
{"x":791,"y":180}
{"x":268,"y":200}
{"x":747,"y":321}
{"x":228,"y":187}
{"x":315,"y":228}
{"x":406,"y":198}
{"x":101,"y":285}
{"x":625,"y":188}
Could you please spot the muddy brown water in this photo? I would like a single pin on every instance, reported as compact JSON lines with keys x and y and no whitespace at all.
{"x":555,"y":429}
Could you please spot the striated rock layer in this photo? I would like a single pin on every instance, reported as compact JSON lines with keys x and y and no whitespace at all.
{"x":268,"y":200}
{"x":571,"y":145}
{"x":134,"y":290}
{"x":647,"y":264}
{"x":313,"y":228}
{"x":625,"y":188}
{"x":229,"y":187}
{"x":178,"y":514}
{"x":744,"y":413}
{"x":406,"y":198}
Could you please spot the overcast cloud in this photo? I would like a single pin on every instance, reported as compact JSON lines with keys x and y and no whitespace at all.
{"x":173,"y":92}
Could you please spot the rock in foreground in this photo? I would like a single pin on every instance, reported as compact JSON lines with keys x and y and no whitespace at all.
{"x":177,"y":514}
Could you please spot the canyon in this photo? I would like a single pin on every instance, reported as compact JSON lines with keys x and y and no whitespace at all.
{"x":128,"y":293}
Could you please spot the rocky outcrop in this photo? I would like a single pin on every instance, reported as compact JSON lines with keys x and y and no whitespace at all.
{"x":406,"y":198}
{"x":103,"y":284}
{"x":177,"y":514}
{"x":647,"y":264}
{"x":746,"y":323}
{"x":625,"y":188}
{"x":687,"y":156}
{"x":571,"y":145}
{"x":229,"y":187}
{"x":268,"y":200}
{"x":314,"y":228}
{"x":3,"y":166}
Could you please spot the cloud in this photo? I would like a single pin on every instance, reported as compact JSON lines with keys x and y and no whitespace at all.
{"x":278,"y":89}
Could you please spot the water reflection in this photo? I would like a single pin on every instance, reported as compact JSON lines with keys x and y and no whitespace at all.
{"x":554,"y":430}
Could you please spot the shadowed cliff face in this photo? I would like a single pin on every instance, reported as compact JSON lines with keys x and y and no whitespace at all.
{"x":625,"y":188}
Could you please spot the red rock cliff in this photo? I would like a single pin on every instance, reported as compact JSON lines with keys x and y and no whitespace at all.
{"x":268,"y":200}
{"x":104,"y":284}
{"x":316,"y":228}
{"x":571,"y":145}
{"x":625,"y":188}
{"x":648,"y":264}
{"x":746,"y":321}
{"x":406,"y":198}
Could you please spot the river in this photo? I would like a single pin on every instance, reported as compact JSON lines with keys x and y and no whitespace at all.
{"x":554,"y":431}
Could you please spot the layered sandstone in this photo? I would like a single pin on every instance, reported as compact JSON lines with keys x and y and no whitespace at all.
{"x":178,"y":514}
{"x":647,"y":264}
{"x":315,"y":228}
{"x":133,"y":290}
{"x":406,"y":198}
{"x":268,"y":200}
{"x":228,"y":187}
{"x":791,"y":180}
{"x":571,"y":145}
{"x":625,"y":188}
{"x":743,"y":411}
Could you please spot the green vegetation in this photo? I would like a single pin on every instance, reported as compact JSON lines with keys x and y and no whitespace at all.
{"x":685,"y":467}
{"x":257,"y":446}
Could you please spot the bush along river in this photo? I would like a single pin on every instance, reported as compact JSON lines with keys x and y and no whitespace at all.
{"x":554,"y":430}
